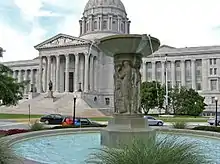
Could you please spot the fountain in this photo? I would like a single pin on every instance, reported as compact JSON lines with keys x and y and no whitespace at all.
{"x":128,"y":121}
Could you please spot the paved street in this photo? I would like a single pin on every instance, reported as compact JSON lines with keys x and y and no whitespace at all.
{"x":8,"y":124}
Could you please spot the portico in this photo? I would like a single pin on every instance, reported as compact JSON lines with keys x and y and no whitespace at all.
{"x":67,"y":71}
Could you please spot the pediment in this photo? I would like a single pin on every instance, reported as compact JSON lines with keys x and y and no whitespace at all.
{"x":61,"y":40}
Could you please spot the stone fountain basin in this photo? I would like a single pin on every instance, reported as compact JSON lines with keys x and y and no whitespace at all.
{"x":128,"y":44}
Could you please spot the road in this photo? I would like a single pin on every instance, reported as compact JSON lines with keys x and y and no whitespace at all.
{"x":8,"y":124}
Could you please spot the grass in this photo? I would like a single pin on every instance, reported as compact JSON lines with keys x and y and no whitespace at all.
{"x":170,"y":150}
{"x":17,"y":116}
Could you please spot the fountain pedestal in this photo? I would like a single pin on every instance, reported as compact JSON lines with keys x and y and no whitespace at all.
{"x":122,"y":129}
{"x":128,"y":122}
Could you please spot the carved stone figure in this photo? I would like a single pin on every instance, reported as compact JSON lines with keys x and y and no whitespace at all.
{"x":50,"y":85}
{"x":127,"y":80}
{"x":125,"y":76}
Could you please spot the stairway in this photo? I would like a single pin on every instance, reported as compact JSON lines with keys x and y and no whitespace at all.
{"x":62,"y":103}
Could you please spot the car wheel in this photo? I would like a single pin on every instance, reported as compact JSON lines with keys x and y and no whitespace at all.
{"x":219,"y":123}
{"x":47,"y":122}
{"x":160,"y":124}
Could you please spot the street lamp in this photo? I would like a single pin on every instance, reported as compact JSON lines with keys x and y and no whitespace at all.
{"x":216,"y":111}
{"x":74,"y":109}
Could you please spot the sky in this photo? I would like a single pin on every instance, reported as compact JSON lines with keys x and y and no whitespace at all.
{"x":177,"y":23}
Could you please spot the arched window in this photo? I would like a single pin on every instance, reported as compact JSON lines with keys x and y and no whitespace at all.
{"x":104,"y":26}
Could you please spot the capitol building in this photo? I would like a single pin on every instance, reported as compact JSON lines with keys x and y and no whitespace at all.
{"x":77,"y":67}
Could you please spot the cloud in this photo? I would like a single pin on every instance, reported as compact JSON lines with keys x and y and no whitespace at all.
{"x":181,"y":23}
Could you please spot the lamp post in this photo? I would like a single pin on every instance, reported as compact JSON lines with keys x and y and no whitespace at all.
{"x":74,"y":110}
{"x":216,"y":111}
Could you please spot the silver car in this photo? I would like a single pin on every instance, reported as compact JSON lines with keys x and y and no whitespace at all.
{"x":153,"y":121}
{"x":211,"y":120}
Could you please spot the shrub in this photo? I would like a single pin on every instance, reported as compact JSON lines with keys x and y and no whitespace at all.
{"x":36,"y":126}
{"x":207,"y":128}
{"x":7,"y":155}
{"x":179,"y":125}
{"x":15,"y":131}
{"x":170,"y":150}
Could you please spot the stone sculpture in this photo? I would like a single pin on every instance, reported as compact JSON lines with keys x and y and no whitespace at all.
{"x":127,"y":79}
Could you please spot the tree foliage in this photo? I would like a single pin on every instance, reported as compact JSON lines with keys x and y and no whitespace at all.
{"x":152,"y":95}
{"x":183,"y":101}
{"x":10,"y":90}
{"x":186,"y":101}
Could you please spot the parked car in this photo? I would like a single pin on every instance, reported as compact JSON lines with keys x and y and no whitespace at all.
{"x":153,"y":121}
{"x":211,"y":120}
{"x":82,"y":122}
{"x":52,"y":119}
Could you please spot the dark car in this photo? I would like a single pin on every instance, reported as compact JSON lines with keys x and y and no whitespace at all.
{"x":52,"y":119}
{"x":81,"y":122}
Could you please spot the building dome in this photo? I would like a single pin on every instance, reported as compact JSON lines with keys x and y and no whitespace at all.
{"x":104,"y":3}
{"x":103,"y":18}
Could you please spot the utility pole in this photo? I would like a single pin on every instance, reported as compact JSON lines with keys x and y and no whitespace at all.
{"x":166,"y":85}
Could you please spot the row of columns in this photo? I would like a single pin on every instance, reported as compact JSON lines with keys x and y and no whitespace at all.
{"x":173,"y":71}
{"x":29,"y":74}
{"x":88,"y":72}
{"x":99,"y":19}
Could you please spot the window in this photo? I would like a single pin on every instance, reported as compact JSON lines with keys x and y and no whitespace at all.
{"x":104,"y":26}
{"x":210,"y":61}
{"x":215,"y":71}
{"x":95,"y":25}
{"x":212,"y":100}
{"x":107,"y":101}
{"x":87,"y":26}
{"x":214,"y":61}
{"x":178,"y":64}
{"x":149,"y":65}
{"x":213,"y":84}
{"x":210,"y":71}
{"x":198,"y":86}
{"x":122,"y":27}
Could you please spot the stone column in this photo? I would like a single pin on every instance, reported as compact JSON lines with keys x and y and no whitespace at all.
{"x":205,"y":74}
{"x":91,"y":77}
{"x":119,"y":24}
{"x":45,"y":77}
{"x":101,"y":21}
{"x":173,"y":73}
{"x":126,"y":26}
{"x":48,"y":70}
{"x":25,"y":79}
{"x":14,"y":74}
{"x":67,"y":74}
{"x":83,"y":25}
{"x":40,"y":86}
{"x":32,"y":76}
{"x":153,"y":71}
{"x":163,"y":79}
{"x":57,"y":73}
{"x":76,"y":73}
{"x":86,"y":89}
{"x":193,"y":68}
{"x":19,"y":76}
{"x":109,"y":22}
{"x":144,"y":72}
{"x":183,"y":73}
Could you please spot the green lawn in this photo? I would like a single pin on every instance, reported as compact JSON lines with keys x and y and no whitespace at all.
{"x":17,"y":116}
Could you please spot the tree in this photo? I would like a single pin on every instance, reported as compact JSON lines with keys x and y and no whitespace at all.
{"x":186,"y":101}
{"x":10,"y":90}
{"x":152,"y":95}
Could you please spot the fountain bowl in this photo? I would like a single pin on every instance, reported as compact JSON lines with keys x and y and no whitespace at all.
{"x":129,"y":44}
